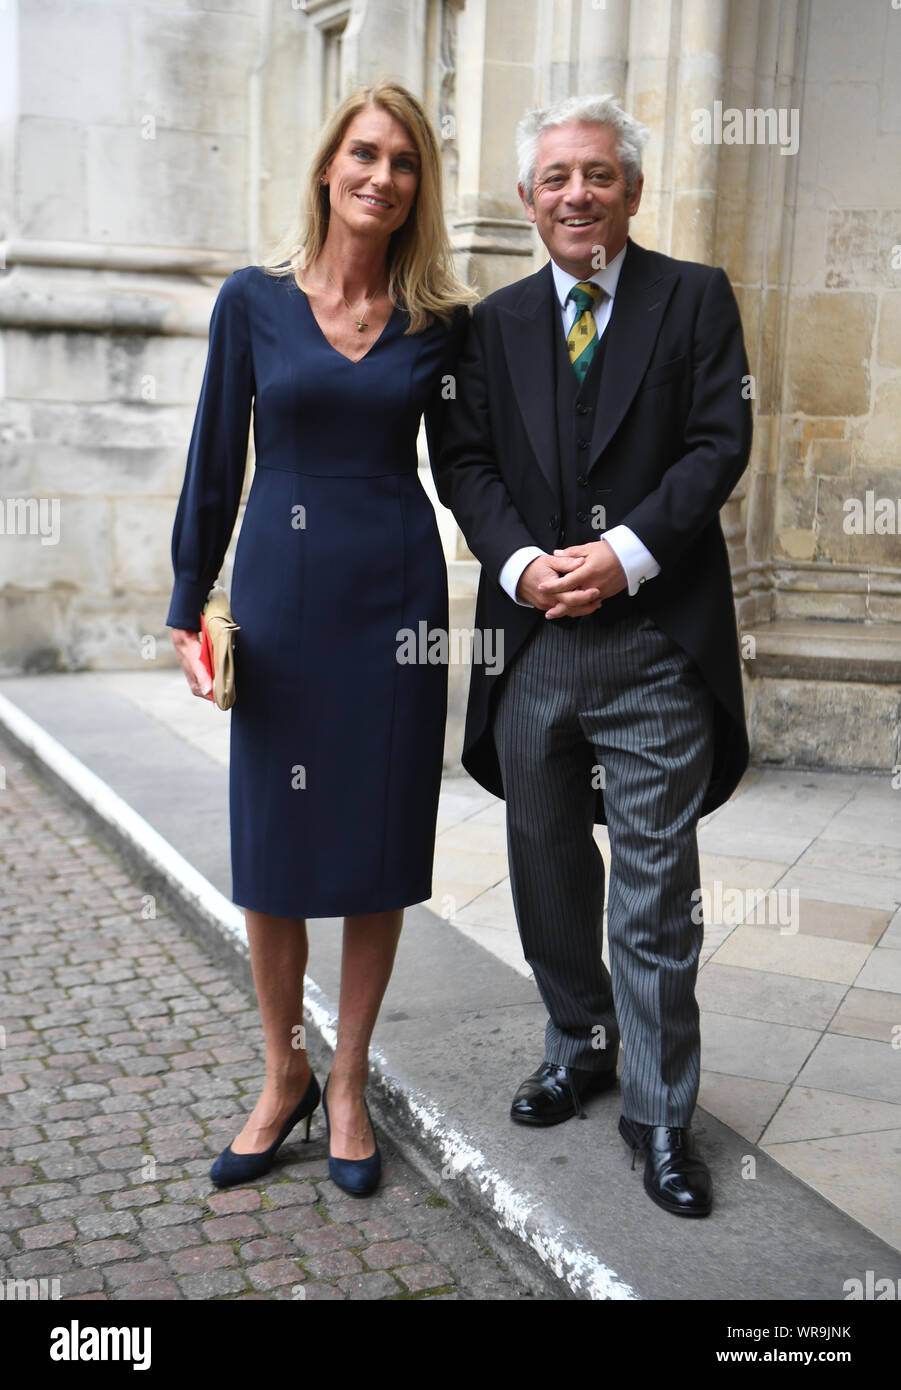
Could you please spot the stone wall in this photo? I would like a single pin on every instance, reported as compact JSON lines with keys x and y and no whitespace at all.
{"x":145,"y":152}
{"x":841,"y":406}
{"x":126,"y":180}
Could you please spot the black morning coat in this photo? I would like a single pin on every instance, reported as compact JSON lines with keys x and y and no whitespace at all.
{"x":671,"y":437}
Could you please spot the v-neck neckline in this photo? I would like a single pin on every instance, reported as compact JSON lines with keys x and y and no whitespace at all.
{"x":353,"y":361}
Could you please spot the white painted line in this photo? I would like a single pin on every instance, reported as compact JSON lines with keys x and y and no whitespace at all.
{"x":514,"y":1210}
{"x":581,"y":1270}
{"x":162,"y":855}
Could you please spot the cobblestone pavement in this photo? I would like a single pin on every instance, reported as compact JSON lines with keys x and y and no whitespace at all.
{"x":130,"y":1061}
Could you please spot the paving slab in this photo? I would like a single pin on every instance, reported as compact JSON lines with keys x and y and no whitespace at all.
{"x":458,"y":1031}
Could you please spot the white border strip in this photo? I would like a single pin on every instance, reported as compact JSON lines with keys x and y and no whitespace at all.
{"x":582,"y":1271}
{"x":162,"y":855}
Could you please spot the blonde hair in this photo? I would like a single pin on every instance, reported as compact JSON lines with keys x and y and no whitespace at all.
{"x":421,"y":275}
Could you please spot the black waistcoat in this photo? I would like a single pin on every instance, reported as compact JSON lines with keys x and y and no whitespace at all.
{"x":587,"y":507}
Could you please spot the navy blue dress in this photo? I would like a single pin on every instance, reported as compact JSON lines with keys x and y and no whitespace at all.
{"x":336,"y":745}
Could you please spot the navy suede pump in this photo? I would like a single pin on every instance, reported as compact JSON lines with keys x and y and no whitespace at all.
{"x":358,"y":1176}
{"x":230,"y":1168}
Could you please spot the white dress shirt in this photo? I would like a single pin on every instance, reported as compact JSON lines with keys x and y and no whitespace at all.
{"x":635,"y":558}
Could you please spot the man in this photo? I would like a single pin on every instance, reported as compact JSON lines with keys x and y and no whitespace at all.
{"x":601,"y":421}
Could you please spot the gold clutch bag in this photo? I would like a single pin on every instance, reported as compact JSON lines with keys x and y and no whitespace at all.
{"x":217,"y":651}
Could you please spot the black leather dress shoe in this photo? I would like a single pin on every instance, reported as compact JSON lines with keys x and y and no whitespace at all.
{"x":675,"y":1175}
{"x":554,"y":1093}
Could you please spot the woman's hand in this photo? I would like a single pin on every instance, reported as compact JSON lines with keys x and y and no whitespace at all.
{"x":187,"y":646}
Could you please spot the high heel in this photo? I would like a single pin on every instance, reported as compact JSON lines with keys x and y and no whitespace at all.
{"x":358,"y":1176}
{"x":230,"y":1168}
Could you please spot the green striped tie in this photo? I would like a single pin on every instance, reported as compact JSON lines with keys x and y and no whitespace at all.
{"x":582,"y":338}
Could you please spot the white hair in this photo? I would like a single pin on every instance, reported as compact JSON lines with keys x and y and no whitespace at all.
{"x":604,"y":110}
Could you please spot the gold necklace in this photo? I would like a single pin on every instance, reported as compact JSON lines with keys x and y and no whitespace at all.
{"x":359,"y":321}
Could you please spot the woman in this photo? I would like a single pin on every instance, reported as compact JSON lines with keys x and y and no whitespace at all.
{"x":342,"y":338}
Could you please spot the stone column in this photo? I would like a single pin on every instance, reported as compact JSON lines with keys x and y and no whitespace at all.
{"x":384,"y":39}
{"x":495,"y":85}
{"x":701,"y":60}
{"x":754,"y":242}
{"x":649,"y":97}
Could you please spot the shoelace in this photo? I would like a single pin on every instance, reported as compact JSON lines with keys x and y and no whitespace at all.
{"x":670,"y":1130}
{"x":572,"y":1086}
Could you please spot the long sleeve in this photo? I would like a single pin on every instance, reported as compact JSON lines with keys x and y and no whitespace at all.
{"x":217,"y":458}
{"x":468,"y":478}
{"x":637,"y":561}
{"x":513,"y":571}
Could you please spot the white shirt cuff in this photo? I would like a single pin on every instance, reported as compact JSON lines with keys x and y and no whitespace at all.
{"x":634,"y":556}
{"x":511,"y":573}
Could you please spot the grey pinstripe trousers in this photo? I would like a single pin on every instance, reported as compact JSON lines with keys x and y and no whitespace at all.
{"x":623,"y":707}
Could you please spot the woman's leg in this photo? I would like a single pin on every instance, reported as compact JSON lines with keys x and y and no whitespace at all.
{"x":370,"y":943}
{"x":278,"y":955}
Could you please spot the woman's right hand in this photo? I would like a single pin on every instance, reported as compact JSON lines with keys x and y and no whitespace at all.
{"x":187,"y":646}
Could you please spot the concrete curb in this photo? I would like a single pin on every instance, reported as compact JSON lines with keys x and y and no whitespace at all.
{"x":458,"y":1027}
{"x":434,"y":1149}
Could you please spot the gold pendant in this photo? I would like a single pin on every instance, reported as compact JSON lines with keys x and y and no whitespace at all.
{"x":361,"y":325}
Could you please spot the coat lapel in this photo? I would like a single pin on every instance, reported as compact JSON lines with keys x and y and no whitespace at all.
{"x":642,"y":294}
{"x":527,"y":331}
